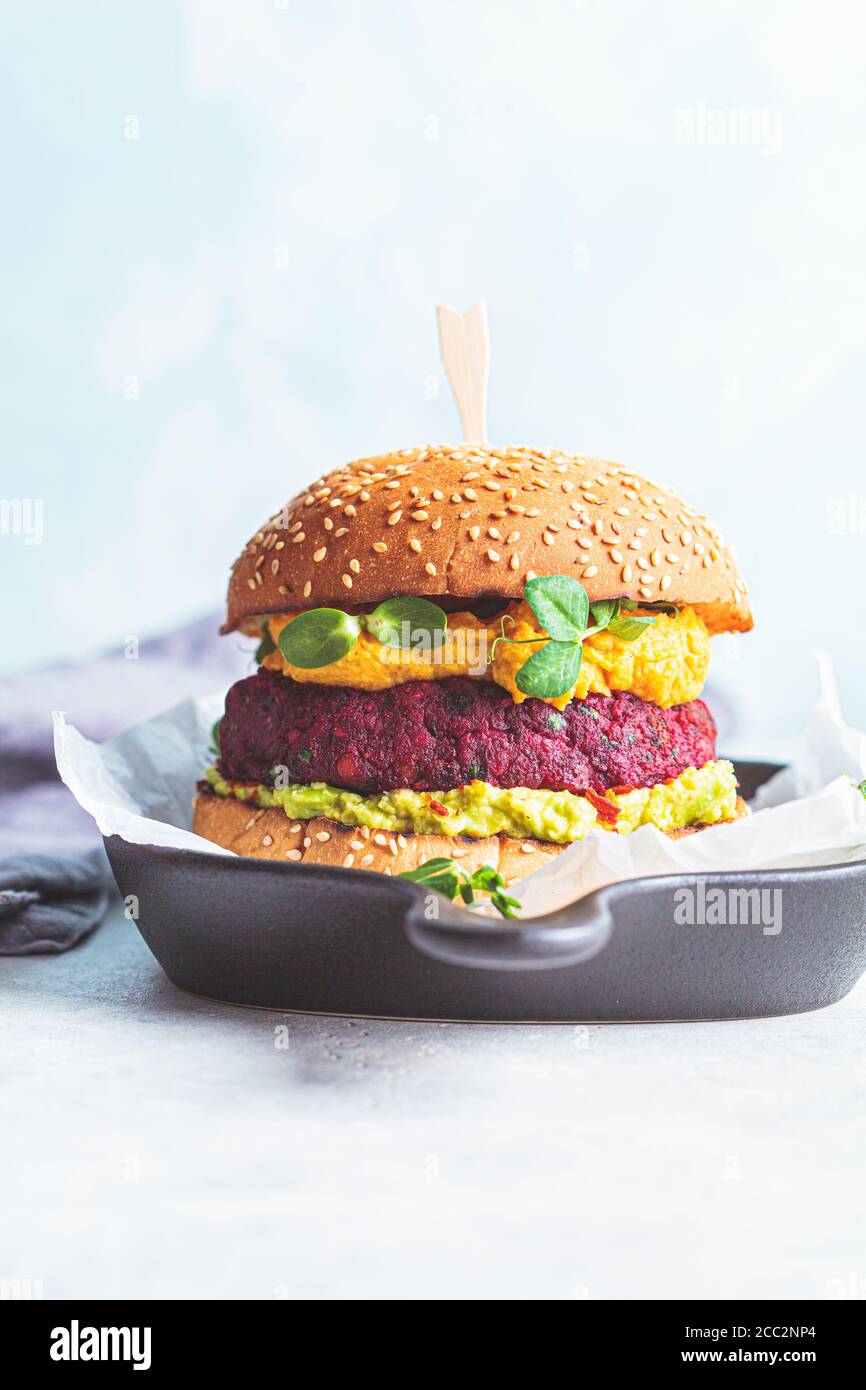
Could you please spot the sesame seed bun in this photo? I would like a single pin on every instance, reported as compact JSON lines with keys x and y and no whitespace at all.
{"x":270,"y":834}
{"x":465,"y":522}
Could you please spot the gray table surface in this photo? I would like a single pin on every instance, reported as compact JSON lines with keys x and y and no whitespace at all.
{"x":157,"y":1145}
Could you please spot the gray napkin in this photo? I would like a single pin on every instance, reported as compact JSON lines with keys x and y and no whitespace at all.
{"x":50,"y":902}
{"x":55,"y":882}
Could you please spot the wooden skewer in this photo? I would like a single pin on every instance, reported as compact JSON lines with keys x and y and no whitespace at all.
{"x":465,"y":346}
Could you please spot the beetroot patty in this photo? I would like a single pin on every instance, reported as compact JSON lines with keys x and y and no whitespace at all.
{"x":434,"y":735}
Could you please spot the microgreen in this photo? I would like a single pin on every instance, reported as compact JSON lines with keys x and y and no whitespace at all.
{"x":560,"y":605}
{"x":407,"y":622}
{"x":321,"y":636}
{"x":550,"y":671}
{"x":215,"y":738}
{"x":451,"y":881}
{"x":265,"y":647}
{"x":563,"y":610}
{"x":629,"y":629}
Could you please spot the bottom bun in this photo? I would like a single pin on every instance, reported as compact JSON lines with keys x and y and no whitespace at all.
{"x":270,"y":834}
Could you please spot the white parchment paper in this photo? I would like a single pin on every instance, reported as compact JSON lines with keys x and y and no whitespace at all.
{"x":140,"y":785}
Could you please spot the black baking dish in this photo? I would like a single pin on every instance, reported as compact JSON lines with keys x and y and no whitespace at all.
{"x":316,"y":939}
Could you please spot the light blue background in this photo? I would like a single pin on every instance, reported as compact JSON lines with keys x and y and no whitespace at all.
{"x":309,"y":179}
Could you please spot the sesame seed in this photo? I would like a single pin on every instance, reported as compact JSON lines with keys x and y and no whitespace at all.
{"x":512,"y":537}
{"x":394,"y":518}
{"x":643,"y":562}
{"x":616,"y":556}
{"x":656,"y":556}
{"x":401,"y":841}
{"x":366,"y":861}
{"x":666,"y":581}
{"x":492,"y":555}
{"x":356,"y":844}
{"x":525,"y":847}
{"x":355,"y":566}
{"x":474,"y":532}
{"x":293,"y":854}
{"x":319,"y":555}
{"x":251,"y":583}
{"x":392,"y":845}
{"x":394,"y":506}
{"x":420,"y":515}
{"x":380,"y":839}
{"x":380,"y":547}
{"x":626,"y":573}
{"x":490,"y":485}
{"x":307,"y":842}
{"x":323,"y":836}
{"x":415,"y":545}
{"x":686,"y":538}
{"x":308,"y":589}
{"x":494,"y":533}
{"x":430,"y":567}
{"x":348,"y":861}
{"x":515,"y":561}
{"x":347,"y":580}
{"x":267,"y":840}
{"x":590,"y":571}
{"x":673,"y":559}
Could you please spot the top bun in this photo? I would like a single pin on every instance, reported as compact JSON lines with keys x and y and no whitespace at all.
{"x":466,"y":521}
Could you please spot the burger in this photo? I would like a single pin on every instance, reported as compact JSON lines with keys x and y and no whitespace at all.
{"x":472,"y":657}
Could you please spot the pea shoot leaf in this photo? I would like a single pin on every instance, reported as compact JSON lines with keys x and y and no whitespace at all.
{"x":551,"y":670}
{"x":319,"y":637}
{"x":407,"y":622}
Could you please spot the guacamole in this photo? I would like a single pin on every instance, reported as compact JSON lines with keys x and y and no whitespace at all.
{"x":706,"y":795}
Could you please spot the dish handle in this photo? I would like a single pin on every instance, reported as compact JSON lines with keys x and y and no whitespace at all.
{"x":570,"y":936}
